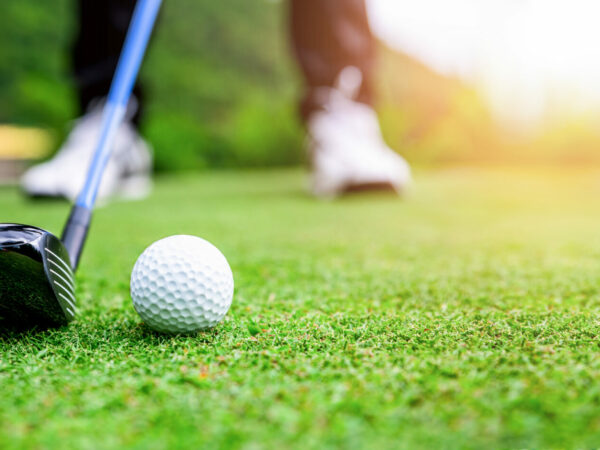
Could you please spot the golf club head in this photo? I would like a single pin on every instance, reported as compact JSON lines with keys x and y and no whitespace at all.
{"x":36,"y":279}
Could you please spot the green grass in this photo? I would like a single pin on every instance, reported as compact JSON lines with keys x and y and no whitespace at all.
{"x":467,"y":315}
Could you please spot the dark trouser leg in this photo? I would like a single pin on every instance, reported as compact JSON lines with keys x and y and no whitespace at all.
{"x":102,"y":29}
{"x":329,"y":35}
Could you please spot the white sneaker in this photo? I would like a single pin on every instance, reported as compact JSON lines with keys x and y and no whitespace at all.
{"x":346,"y":147}
{"x":127,"y":173}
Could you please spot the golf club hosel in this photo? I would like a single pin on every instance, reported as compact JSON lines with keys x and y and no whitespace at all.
{"x":75,"y":233}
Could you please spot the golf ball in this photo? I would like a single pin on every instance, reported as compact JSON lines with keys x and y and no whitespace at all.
{"x":181,"y":284}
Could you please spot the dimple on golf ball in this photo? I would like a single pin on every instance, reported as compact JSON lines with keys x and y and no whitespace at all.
{"x":181,"y":284}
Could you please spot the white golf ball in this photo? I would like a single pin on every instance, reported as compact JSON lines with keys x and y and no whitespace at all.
{"x":181,"y":284}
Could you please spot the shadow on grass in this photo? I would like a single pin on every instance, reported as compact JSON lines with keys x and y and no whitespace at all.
{"x":10,"y":333}
{"x":205,"y":336}
{"x":79,"y":341}
{"x":45,"y":199}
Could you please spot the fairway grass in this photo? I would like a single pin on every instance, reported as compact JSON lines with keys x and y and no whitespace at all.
{"x":464,"y":316}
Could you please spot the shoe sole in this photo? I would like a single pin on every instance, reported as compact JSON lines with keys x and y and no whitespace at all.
{"x":370,"y":187}
{"x":133,"y":187}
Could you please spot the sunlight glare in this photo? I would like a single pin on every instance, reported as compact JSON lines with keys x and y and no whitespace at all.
{"x":534,"y":59}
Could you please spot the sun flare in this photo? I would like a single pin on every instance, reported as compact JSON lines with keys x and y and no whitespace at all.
{"x":533,"y":60}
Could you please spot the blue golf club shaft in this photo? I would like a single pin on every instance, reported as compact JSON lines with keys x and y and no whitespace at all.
{"x":128,"y":67}
{"x":120,"y":92}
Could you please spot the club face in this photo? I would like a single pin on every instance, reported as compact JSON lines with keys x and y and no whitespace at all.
{"x":36,"y":280}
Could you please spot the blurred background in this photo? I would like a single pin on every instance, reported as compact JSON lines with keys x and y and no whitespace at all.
{"x":467,"y":81}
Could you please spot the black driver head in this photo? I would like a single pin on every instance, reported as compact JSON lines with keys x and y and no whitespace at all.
{"x":36,"y":279}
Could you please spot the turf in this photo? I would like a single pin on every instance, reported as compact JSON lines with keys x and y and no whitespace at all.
{"x":466,"y":315}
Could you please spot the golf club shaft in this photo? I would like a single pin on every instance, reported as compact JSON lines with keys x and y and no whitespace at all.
{"x":140,"y":29}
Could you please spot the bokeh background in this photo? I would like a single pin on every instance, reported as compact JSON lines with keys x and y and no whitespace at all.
{"x":221,"y":84}
{"x":460,"y":82}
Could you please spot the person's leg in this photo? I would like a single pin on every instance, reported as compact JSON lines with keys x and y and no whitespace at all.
{"x":328,"y":36}
{"x":102,"y":29}
{"x":335,"y":50}
{"x":95,"y":53}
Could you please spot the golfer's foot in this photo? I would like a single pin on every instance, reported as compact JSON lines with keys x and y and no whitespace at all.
{"x":347,"y":150}
{"x":127,"y":173}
